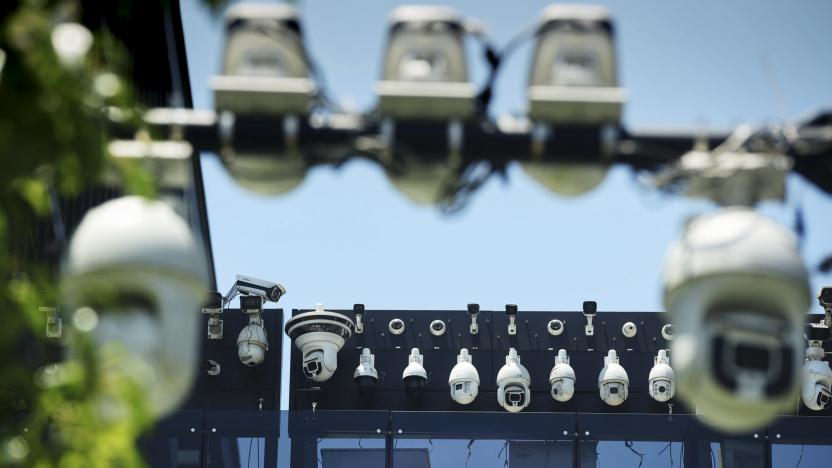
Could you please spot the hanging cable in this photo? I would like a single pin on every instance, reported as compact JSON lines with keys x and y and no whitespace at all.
{"x":800,"y":458}
{"x":629,"y":445}
{"x":468,"y":458}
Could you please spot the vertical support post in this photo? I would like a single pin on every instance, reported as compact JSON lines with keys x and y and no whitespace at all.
{"x":388,"y":449}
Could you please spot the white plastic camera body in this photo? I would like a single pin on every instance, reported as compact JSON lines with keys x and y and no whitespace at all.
{"x":662,"y":379}
{"x":464,"y":379}
{"x":555,"y":327}
{"x":816,"y":390}
{"x":137,"y":264}
{"x":513,"y":383}
{"x":562,"y":378}
{"x":252,"y":341}
{"x":737,"y":292}
{"x":319,"y":335}
{"x":414,"y":376}
{"x":366,"y":375}
{"x":437,"y":328}
{"x":629,"y":330}
{"x":613,"y":382}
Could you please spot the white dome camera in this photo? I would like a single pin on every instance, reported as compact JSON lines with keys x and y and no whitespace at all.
{"x":137,"y":265}
{"x":613,"y":382}
{"x":396,"y":326}
{"x":816,"y":391}
{"x":366,"y":375}
{"x":319,"y":335}
{"x":464,"y":379}
{"x":662,"y":379}
{"x":414,"y":376}
{"x":629,"y":330}
{"x":562,"y":378}
{"x":252,"y":342}
{"x":437,"y":328}
{"x":513,"y":383}
{"x":737,"y":292}
{"x":668,"y":331}
{"x":555,"y":327}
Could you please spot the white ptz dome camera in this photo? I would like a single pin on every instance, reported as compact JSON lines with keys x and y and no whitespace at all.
{"x":662,"y":379}
{"x":366,"y":375}
{"x":464,"y":379}
{"x":629,"y":330}
{"x":252,"y":344}
{"x":613,"y":382}
{"x":737,"y":292}
{"x":513,"y":383}
{"x":816,"y":391}
{"x":319,"y":335}
{"x":414,"y":376}
{"x":136,"y":263}
{"x":562,"y":378}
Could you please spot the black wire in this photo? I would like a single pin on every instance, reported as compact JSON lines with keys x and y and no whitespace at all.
{"x":800,"y":459}
{"x":468,"y":458}
{"x":665,"y":449}
{"x":248,"y":457}
{"x":713,"y":457}
{"x":629,"y":445}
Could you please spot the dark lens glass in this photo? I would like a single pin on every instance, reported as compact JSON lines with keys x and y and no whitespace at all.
{"x":662,"y":388}
{"x":437,"y":326}
{"x":396,"y":325}
{"x":613,"y":390}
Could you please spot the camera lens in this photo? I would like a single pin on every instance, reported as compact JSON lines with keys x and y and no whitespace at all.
{"x":437,"y":326}
{"x":396,"y":325}
{"x":662,"y":388}
{"x":613,"y":390}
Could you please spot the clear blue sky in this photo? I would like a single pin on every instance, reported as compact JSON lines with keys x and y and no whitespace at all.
{"x":347,"y":236}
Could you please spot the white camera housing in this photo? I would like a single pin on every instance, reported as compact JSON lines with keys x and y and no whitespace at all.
{"x":366,"y":375}
{"x":613,"y":382}
{"x":136,"y":263}
{"x":414,"y":376}
{"x":668,"y":331}
{"x":252,"y":343}
{"x":816,"y":391}
{"x":629,"y":330}
{"x":437,"y":328}
{"x":662,"y":379}
{"x":249,"y":285}
{"x":562,"y":378}
{"x":555,"y":327}
{"x":464,"y":379}
{"x":513,"y":383}
{"x":396,"y":326}
{"x":737,"y":292}
{"x":319,"y":335}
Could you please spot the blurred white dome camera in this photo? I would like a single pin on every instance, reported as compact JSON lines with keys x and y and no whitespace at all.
{"x":366,"y":375}
{"x":562,"y":378}
{"x":513,"y":383}
{"x":319,"y":335}
{"x":613,"y":382}
{"x":662,"y":379}
{"x":668,"y":331}
{"x":137,"y":264}
{"x":816,"y":391}
{"x":252,"y":342}
{"x":464,"y":379}
{"x":414,"y":376}
{"x":737,"y":293}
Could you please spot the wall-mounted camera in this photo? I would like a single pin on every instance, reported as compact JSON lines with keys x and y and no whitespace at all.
{"x":513,"y":383}
{"x":414,"y":376}
{"x":252,"y":342}
{"x":613,"y":381}
{"x":319,"y":335}
{"x":366,"y":375}
{"x":464,"y":379}
{"x":662,"y":379}
{"x":555,"y":327}
{"x":562,"y":378}
{"x":396,"y":326}
{"x":437,"y":328}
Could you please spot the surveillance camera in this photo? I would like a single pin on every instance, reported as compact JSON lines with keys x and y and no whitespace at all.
{"x":555,"y":327}
{"x":473,"y":312}
{"x":137,"y":264}
{"x":562,"y":378}
{"x":437,"y":328}
{"x":816,"y":390}
{"x":268,"y":290}
{"x":668,"y":331}
{"x":511,"y":311}
{"x":366,"y":375}
{"x":396,"y":326}
{"x":825,"y":297}
{"x":414,"y":375}
{"x":613,"y":382}
{"x":252,"y":344}
{"x":629,"y":330}
{"x":737,"y":292}
{"x":464,"y":379}
{"x":662,"y":379}
{"x":319,"y":335}
{"x":513,"y":383}
{"x":590,"y":308}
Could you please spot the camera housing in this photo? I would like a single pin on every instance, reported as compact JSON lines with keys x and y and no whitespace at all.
{"x":366,"y":375}
{"x":737,"y":292}
{"x":555,"y":327}
{"x":473,"y":312}
{"x":662,"y":379}
{"x":137,"y":264}
{"x":319,"y":335}
{"x":396,"y":326}
{"x":629,"y":330}
{"x":252,"y":342}
{"x":816,"y":388}
{"x":437,"y":328}
{"x":590,"y":308}
{"x":513,"y":383}
{"x":464,"y":379}
{"x":414,"y":376}
{"x":562,"y":378}
{"x":613,"y":381}
{"x":668,"y":331}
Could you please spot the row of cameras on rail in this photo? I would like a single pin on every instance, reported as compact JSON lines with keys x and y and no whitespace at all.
{"x":735,"y":289}
{"x":573,"y":81}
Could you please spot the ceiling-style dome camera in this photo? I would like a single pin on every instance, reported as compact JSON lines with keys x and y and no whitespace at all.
{"x":319,"y":335}
{"x":513,"y":383}
{"x":613,"y":382}
{"x":668,"y":332}
{"x":136,"y":263}
{"x":437,"y":328}
{"x":555,"y":327}
{"x":366,"y":375}
{"x":464,"y":379}
{"x":396,"y":326}
{"x":662,"y":379}
{"x":629,"y":330}
{"x":562,"y":378}
{"x":414,"y":376}
{"x":737,"y":292}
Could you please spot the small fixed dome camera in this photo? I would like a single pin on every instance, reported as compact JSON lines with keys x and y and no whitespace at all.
{"x":629,"y":330}
{"x":437,"y":328}
{"x":662,"y":379}
{"x":613,"y":382}
{"x":590,"y":308}
{"x":668,"y":332}
{"x":562,"y":378}
{"x":396,"y":326}
{"x":319,"y":335}
{"x":464,"y":379}
{"x":414,"y":376}
{"x":513,"y":381}
{"x":366,"y":375}
{"x":555,"y":327}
